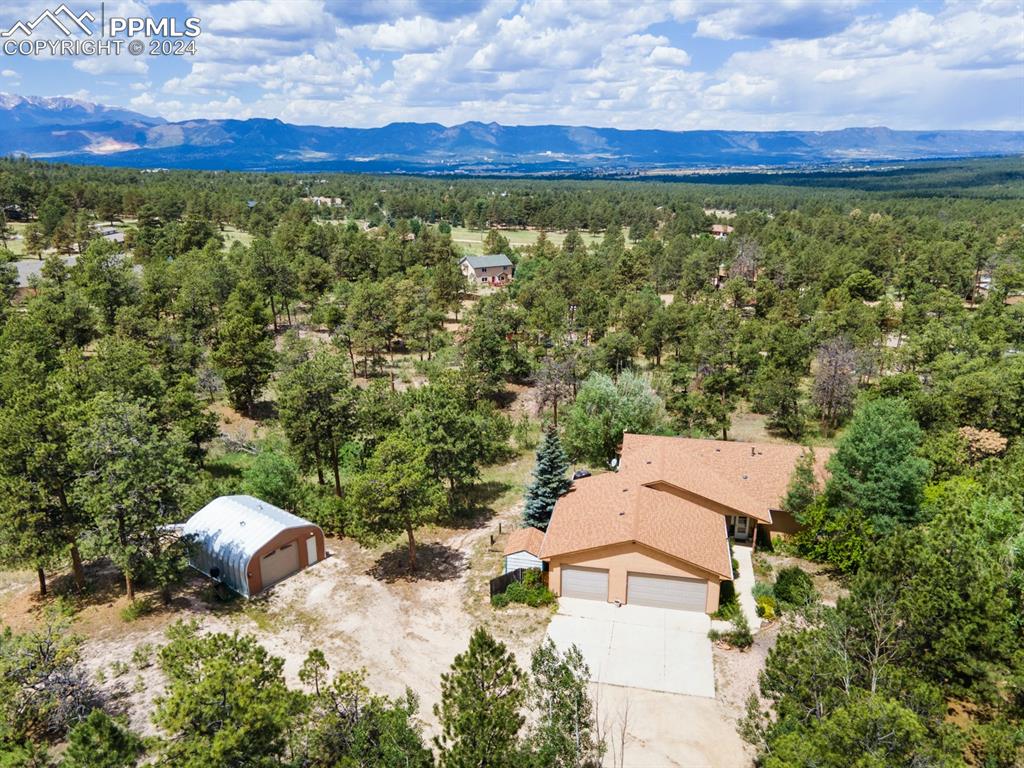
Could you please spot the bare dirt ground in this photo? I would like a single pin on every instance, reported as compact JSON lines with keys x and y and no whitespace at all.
{"x":768,"y":564}
{"x":363,"y":610}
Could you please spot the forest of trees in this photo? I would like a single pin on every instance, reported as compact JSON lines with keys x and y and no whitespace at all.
{"x":886,"y":318}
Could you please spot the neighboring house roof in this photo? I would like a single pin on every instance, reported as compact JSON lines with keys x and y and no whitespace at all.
{"x":491,"y":260}
{"x":524,"y":540}
{"x":33,"y":268}
{"x":721,"y":229}
{"x":751,"y":478}
{"x":613,"y":508}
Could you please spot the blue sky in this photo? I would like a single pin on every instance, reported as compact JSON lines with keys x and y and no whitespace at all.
{"x":679,"y":64}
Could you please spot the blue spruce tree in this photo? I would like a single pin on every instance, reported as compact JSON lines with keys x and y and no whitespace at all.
{"x":550,"y":480}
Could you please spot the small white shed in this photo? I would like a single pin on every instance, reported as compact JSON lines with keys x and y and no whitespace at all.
{"x":250,"y":545}
{"x":523,"y":549}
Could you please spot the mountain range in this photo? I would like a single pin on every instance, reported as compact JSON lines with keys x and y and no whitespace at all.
{"x":76,"y":131}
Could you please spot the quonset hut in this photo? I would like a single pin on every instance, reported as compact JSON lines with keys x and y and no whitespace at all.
{"x":250,"y":545}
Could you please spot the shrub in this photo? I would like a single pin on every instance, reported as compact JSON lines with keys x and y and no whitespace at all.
{"x":530,"y":591}
{"x":740,"y":635}
{"x":728,"y":604}
{"x":136,"y":609}
{"x":762,"y":589}
{"x":142,"y":656}
{"x":794,"y":587}
{"x":766,"y":607}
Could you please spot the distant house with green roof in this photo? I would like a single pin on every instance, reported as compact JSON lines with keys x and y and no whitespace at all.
{"x":492,"y":269}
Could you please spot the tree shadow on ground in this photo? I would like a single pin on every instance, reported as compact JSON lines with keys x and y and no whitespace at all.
{"x":476,"y":507}
{"x":104,"y":584}
{"x":434,"y":562}
{"x":263,"y":411}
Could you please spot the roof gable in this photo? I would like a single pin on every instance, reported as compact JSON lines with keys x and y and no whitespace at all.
{"x":525,"y":540}
{"x":613,"y":509}
{"x":488,"y":260}
{"x":750,"y":478}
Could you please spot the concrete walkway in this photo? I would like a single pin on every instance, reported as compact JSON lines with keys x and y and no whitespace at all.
{"x":744,"y":584}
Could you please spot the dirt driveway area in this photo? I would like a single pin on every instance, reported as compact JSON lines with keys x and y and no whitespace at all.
{"x":361,"y":609}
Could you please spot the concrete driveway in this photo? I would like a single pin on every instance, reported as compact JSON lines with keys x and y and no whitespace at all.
{"x":638,"y":647}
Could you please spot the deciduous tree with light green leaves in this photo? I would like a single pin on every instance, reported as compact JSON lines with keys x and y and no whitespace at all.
{"x":604,"y":409}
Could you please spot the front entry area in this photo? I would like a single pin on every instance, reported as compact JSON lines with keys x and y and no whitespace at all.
{"x":279,"y":564}
{"x":585,"y":583}
{"x":739,"y":527}
{"x":667,"y":592}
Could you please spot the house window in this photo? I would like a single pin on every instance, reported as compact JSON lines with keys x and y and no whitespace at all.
{"x":483,"y":279}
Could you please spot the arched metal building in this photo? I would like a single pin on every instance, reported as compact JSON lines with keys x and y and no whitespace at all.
{"x":250,"y":545}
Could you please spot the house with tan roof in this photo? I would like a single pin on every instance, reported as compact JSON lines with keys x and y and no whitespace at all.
{"x":656,"y":532}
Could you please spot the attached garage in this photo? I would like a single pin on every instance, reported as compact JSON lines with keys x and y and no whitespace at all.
{"x":586,"y":583}
{"x":250,"y":545}
{"x":667,"y":592}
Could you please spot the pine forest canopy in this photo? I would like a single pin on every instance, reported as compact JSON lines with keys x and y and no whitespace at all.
{"x":878,"y":311}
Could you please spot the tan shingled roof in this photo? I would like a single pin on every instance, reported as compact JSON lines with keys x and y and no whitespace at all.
{"x":670,"y":494}
{"x":613,"y":508}
{"x":524,"y":540}
{"x":750,"y":478}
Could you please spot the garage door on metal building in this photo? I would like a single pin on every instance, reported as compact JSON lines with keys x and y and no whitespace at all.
{"x":667,"y":592}
{"x":279,"y":564}
{"x":587,"y":583}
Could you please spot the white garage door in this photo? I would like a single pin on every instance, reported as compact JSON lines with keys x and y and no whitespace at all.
{"x":279,"y":564}
{"x":667,"y":592}
{"x":588,"y":583}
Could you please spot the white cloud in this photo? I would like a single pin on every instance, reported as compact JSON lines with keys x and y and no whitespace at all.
{"x":802,"y":63}
{"x":112,"y":65}
{"x":666,"y":56}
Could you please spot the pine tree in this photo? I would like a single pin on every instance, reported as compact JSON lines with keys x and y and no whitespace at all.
{"x":550,"y":481}
{"x":244,"y":355}
{"x":803,"y":486}
{"x":480,"y":710}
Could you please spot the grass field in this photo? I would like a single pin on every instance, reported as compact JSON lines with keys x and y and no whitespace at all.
{"x":232,"y":235}
{"x":473,"y":238}
{"x":17,"y":247}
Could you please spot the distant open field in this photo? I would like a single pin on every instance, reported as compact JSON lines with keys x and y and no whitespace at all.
{"x":232,"y":235}
{"x":473,"y":238}
{"x":16,"y":247}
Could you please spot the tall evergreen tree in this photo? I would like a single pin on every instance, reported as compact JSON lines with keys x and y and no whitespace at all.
{"x":244,"y":355}
{"x":480,"y":710}
{"x":550,"y":481}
